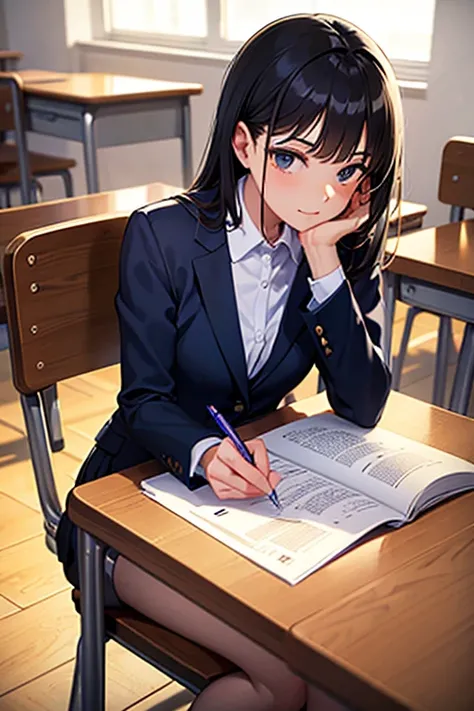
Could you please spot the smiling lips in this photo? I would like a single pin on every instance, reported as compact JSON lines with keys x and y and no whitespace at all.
{"x":309,"y":213}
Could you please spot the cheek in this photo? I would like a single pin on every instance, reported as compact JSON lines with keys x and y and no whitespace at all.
{"x":340,"y":200}
{"x":282,"y":188}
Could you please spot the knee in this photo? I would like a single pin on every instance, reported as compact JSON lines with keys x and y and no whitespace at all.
{"x":288,"y":693}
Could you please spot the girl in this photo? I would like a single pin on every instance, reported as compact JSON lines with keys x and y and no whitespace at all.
{"x":231,"y":292}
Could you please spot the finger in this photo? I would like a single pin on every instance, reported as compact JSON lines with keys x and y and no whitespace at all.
{"x":259,"y":451}
{"x":274,"y":478}
{"x":221,"y":474}
{"x":229,"y":455}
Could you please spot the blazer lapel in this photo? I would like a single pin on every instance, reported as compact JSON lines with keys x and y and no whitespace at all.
{"x":214,"y":275}
{"x":292,"y":322}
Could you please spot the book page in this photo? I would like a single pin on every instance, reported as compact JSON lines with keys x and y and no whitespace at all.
{"x":320,"y":519}
{"x":380,"y":464}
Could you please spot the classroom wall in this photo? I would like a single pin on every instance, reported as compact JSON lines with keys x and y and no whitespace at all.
{"x":53,"y":26}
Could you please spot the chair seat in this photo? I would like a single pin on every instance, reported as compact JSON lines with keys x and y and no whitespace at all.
{"x":177,"y":655}
{"x":40,"y":164}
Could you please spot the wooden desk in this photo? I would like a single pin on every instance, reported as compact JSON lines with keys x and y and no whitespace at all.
{"x":256,"y":602}
{"x":9,"y":59}
{"x":412,"y":215}
{"x":404,"y":641}
{"x":130,"y":109}
{"x":434,"y":270}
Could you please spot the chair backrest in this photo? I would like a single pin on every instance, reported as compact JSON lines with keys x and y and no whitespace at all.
{"x":60,"y":284}
{"x":456,"y":181}
{"x":12,"y":117}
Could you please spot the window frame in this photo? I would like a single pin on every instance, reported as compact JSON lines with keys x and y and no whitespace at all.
{"x":213,"y":45}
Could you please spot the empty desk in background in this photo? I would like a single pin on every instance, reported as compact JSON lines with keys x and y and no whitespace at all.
{"x":101,"y":110}
{"x":433,"y":269}
{"x":9,"y":58}
{"x":267,"y":610}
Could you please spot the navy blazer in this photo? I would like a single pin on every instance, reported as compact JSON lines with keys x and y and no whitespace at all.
{"x":181,"y":346}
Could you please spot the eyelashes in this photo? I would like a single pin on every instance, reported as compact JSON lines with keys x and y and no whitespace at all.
{"x":289,"y":161}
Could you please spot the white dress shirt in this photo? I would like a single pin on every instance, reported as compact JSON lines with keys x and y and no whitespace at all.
{"x":262,"y":276}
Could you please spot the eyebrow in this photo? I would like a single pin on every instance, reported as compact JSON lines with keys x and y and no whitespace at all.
{"x":310,"y":145}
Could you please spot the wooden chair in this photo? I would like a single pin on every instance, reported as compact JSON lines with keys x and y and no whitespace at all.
{"x":456,"y":188}
{"x":18,"y":166}
{"x":60,"y":284}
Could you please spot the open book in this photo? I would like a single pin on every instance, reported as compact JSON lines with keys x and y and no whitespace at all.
{"x":339,"y":482}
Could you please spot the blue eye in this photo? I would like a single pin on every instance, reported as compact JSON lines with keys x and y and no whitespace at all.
{"x":287,"y":161}
{"x":346,"y":173}
{"x":284,"y":160}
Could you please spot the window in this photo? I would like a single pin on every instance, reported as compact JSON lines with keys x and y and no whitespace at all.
{"x":220,"y":26}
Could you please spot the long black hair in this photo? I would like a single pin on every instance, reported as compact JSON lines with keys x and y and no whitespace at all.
{"x":297,"y":72}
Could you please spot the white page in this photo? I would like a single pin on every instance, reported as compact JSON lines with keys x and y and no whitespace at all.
{"x":319,"y":519}
{"x":379,"y":463}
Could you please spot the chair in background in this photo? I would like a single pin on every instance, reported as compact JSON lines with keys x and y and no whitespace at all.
{"x":60,"y":284}
{"x":456,"y":188}
{"x":20,"y":168}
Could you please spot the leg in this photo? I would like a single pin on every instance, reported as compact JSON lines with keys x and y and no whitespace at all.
{"x":464,"y":377}
{"x":90,"y":152}
{"x":75,"y":701}
{"x":67,"y":180}
{"x":398,"y":362}
{"x":50,"y":402}
{"x":91,"y":573}
{"x":186,"y":143}
{"x":265,"y":684}
{"x":391,"y":289}
{"x":441,"y":360}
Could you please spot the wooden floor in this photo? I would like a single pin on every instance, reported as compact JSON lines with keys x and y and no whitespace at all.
{"x":38,"y":624}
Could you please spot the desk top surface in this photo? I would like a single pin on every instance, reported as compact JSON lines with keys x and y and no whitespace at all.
{"x":260,"y":604}
{"x":99,"y":88}
{"x":442,"y":255}
{"x":10,"y":54}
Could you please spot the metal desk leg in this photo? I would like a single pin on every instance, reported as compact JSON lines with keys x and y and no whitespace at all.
{"x":441,"y":362}
{"x":90,"y":152}
{"x":91,"y":572}
{"x":464,"y":373}
{"x":391,"y":286}
{"x":187,"y":157}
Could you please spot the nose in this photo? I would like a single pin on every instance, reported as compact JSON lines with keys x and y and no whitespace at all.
{"x":329,"y":192}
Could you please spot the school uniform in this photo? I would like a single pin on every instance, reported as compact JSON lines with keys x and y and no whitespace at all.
{"x":193,"y":334}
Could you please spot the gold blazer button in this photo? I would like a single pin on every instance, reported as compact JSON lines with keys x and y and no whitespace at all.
{"x":239,"y":406}
{"x":328,"y":351}
{"x":324,"y":342}
{"x":319,"y":330}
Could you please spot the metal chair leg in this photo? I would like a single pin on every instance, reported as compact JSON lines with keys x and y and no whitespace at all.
{"x":441,"y":361}
{"x":50,"y":401}
{"x":91,"y":576}
{"x":400,"y":359}
{"x":464,"y":378}
{"x":41,"y":461}
{"x":75,"y":700}
{"x":67,"y":180}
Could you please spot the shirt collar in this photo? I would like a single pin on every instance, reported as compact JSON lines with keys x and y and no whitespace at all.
{"x":247,"y":236}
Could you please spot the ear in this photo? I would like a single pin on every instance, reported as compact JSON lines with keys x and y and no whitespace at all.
{"x":243,"y":144}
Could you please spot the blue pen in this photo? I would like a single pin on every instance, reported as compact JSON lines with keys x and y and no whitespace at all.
{"x":228,"y":430}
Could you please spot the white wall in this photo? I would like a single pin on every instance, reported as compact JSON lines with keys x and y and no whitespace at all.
{"x":447,"y":108}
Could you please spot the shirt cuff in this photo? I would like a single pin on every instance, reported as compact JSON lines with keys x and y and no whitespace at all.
{"x":323,"y":288}
{"x":196,"y":453}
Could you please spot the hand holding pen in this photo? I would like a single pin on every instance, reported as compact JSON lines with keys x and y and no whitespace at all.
{"x":236,"y":469}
